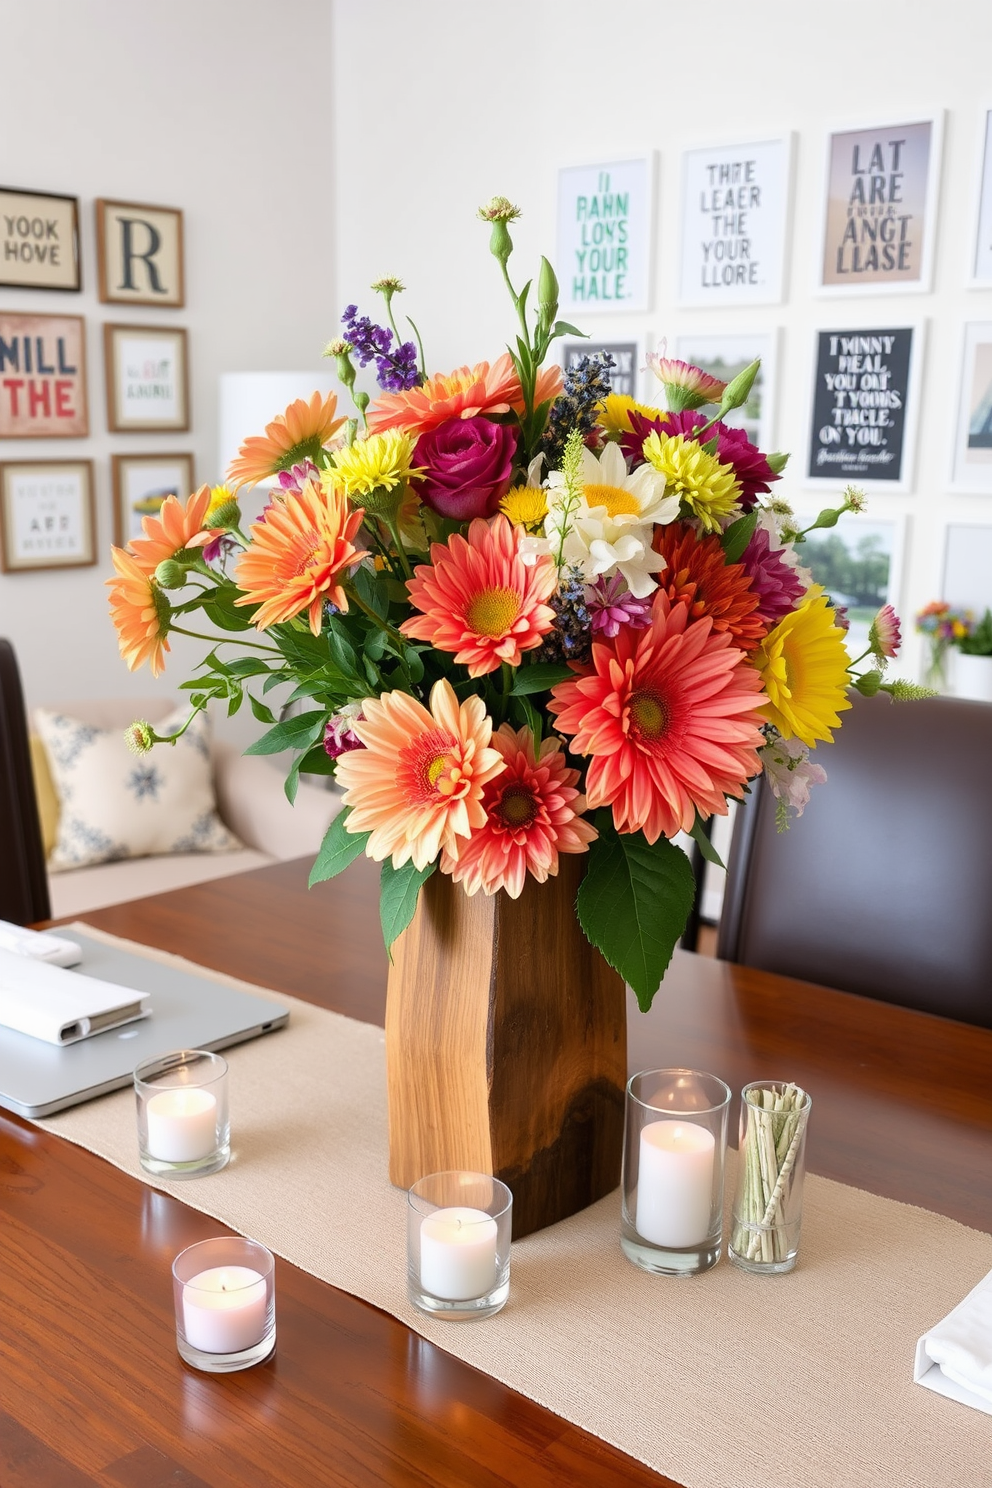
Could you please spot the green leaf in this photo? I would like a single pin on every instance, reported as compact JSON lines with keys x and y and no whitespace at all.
{"x":738,"y":535}
{"x":563,"y":328}
{"x":343,"y":656}
{"x":220,"y":609}
{"x":263,"y":713}
{"x":293,"y":733}
{"x":698,"y":834}
{"x":339,"y":848}
{"x":370,"y":590}
{"x":633,"y":905}
{"x":398,"y":892}
{"x":316,"y":761}
{"x":539,"y":677}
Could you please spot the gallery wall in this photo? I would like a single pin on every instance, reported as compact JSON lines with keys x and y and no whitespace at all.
{"x":469,"y":101}
{"x":196,"y":106}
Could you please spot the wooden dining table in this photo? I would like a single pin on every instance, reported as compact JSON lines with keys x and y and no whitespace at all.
{"x":92,"y":1390}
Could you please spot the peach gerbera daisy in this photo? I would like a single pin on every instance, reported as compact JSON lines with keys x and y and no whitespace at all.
{"x":480,"y":599}
{"x":417,"y":785}
{"x":296,"y":556}
{"x":670,"y":716}
{"x":178,"y":525}
{"x":140,"y":612}
{"x":298,"y":434}
{"x":532,"y":815}
{"x":461,"y":394}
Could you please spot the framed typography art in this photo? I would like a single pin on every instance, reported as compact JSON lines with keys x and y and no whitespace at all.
{"x":605,"y":225}
{"x":42,"y":376}
{"x":863,"y":406}
{"x":147,"y":381}
{"x":139,"y":254}
{"x":39,"y":240}
{"x":735,"y":204}
{"x":46,"y":515}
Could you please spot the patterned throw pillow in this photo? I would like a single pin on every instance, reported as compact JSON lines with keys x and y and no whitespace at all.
{"x":119,"y":805}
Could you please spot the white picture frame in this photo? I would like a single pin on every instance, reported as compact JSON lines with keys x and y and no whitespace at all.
{"x":891,"y":391}
{"x":980,"y":266}
{"x":971,"y":469}
{"x":844,"y":263}
{"x":724,"y":357}
{"x":967,"y":573}
{"x":883,"y":535}
{"x":734,"y":223}
{"x":605,"y":235}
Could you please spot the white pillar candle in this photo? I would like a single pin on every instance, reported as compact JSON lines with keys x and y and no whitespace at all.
{"x":458,"y":1254}
{"x":182,"y":1125}
{"x":675,"y":1183}
{"x":224,"y":1309}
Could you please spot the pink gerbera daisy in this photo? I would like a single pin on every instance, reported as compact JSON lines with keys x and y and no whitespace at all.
{"x":480,"y":600}
{"x":670,"y":717}
{"x":417,"y":785}
{"x":532,"y":815}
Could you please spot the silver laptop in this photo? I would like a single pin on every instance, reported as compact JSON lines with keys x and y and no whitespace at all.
{"x":187,"y":1012}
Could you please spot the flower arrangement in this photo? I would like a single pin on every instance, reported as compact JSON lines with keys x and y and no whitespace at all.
{"x":944,"y":627}
{"x":523,"y":616}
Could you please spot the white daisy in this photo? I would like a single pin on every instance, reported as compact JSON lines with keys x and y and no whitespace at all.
{"x":626,"y":498}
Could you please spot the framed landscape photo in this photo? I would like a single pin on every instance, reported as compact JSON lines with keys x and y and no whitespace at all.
{"x":973,"y":437}
{"x":141,"y":483}
{"x":981,"y":261}
{"x":139,"y":254}
{"x":147,"y":380}
{"x":42,"y":376}
{"x":39,"y":240}
{"x":880,"y":206}
{"x":735,"y":205}
{"x":859,"y":564}
{"x":865,"y":394}
{"x":47,"y":517}
{"x":724,"y":357}
{"x":605,"y":235}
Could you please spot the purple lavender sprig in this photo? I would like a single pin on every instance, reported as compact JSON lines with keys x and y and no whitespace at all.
{"x":586,"y":384}
{"x":396,"y":369}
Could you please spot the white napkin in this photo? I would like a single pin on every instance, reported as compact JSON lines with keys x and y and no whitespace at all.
{"x":955,"y":1357}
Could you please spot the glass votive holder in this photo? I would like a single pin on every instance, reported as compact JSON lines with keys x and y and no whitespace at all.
{"x":674,"y":1153}
{"x":458,"y":1244}
{"x":183,"y":1126}
{"x":771,"y":1164}
{"x":225,"y":1297}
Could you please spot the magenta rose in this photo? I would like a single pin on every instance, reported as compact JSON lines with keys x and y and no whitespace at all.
{"x":467,"y":465}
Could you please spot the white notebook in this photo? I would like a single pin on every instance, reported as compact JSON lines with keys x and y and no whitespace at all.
{"x":47,"y":1002}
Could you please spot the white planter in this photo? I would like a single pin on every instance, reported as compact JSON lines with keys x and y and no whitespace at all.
{"x":973,"y":677}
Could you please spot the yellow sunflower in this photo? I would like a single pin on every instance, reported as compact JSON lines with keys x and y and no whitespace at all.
{"x":803,"y":664}
{"x":613,"y":414}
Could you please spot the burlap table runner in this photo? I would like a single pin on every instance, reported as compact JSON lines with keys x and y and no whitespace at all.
{"x":722,"y":1381}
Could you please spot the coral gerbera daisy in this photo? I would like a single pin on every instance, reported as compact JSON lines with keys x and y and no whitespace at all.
{"x":532,"y":815}
{"x":670,"y":716}
{"x":710,"y":490}
{"x":803,"y":664}
{"x":296,"y":556}
{"x":299,"y":433}
{"x":699,"y":575}
{"x":178,"y":525}
{"x":417,"y":785}
{"x":480,"y":600}
{"x":464,"y":393}
{"x":140,"y":612}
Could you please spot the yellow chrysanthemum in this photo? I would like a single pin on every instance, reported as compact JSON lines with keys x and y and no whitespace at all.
{"x":526,"y":506}
{"x":379,"y":463}
{"x":709,"y":489}
{"x":803,"y":664}
{"x":613,"y":414}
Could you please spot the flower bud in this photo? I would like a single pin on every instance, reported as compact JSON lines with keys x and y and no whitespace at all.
{"x":547,"y":293}
{"x":777,"y":461}
{"x":170,"y":574}
{"x":228,"y":514}
{"x":139,"y":736}
{"x":341,"y":350}
{"x":869,"y":683}
{"x":738,"y":390}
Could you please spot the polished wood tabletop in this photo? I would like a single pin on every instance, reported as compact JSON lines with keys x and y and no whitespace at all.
{"x":92,"y":1390}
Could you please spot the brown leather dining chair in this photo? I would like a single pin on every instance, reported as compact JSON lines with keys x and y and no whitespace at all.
{"x":884,"y":887}
{"x":23,"y":883}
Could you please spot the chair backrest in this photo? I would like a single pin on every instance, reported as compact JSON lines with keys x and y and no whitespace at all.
{"x":23,"y":882}
{"x":883,"y":887}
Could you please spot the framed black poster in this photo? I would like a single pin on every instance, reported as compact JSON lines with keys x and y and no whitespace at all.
{"x":863,"y":408}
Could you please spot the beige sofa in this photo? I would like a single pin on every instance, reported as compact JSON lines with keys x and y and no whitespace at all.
{"x":250,"y":800}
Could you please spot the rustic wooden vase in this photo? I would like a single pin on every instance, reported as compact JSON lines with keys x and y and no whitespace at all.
{"x":506,"y":1047}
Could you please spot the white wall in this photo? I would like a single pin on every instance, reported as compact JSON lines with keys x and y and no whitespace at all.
{"x":206,"y":105}
{"x":473,"y":99}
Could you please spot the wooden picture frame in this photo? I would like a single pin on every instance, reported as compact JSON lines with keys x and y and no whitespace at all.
{"x":42,"y":376}
{"x":39,"y":240}
{"x":47,"y":515}
{"x":139,"y":254}
{"x":141,"y":483}
{"x":147,"y":375}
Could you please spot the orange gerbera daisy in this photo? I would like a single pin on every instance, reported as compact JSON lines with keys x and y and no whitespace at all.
{"x":298,"y":434}
{"x":140,"y":612}
{"x":417,"y":785}
{"x":178,"y":525}
{"x":460,"y":394}
{"x":480,"y":599}
{"x":297,"y":554}
{"x":670,"y":716}
{"x":532,"y":815}
{"x":698,"y":575}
